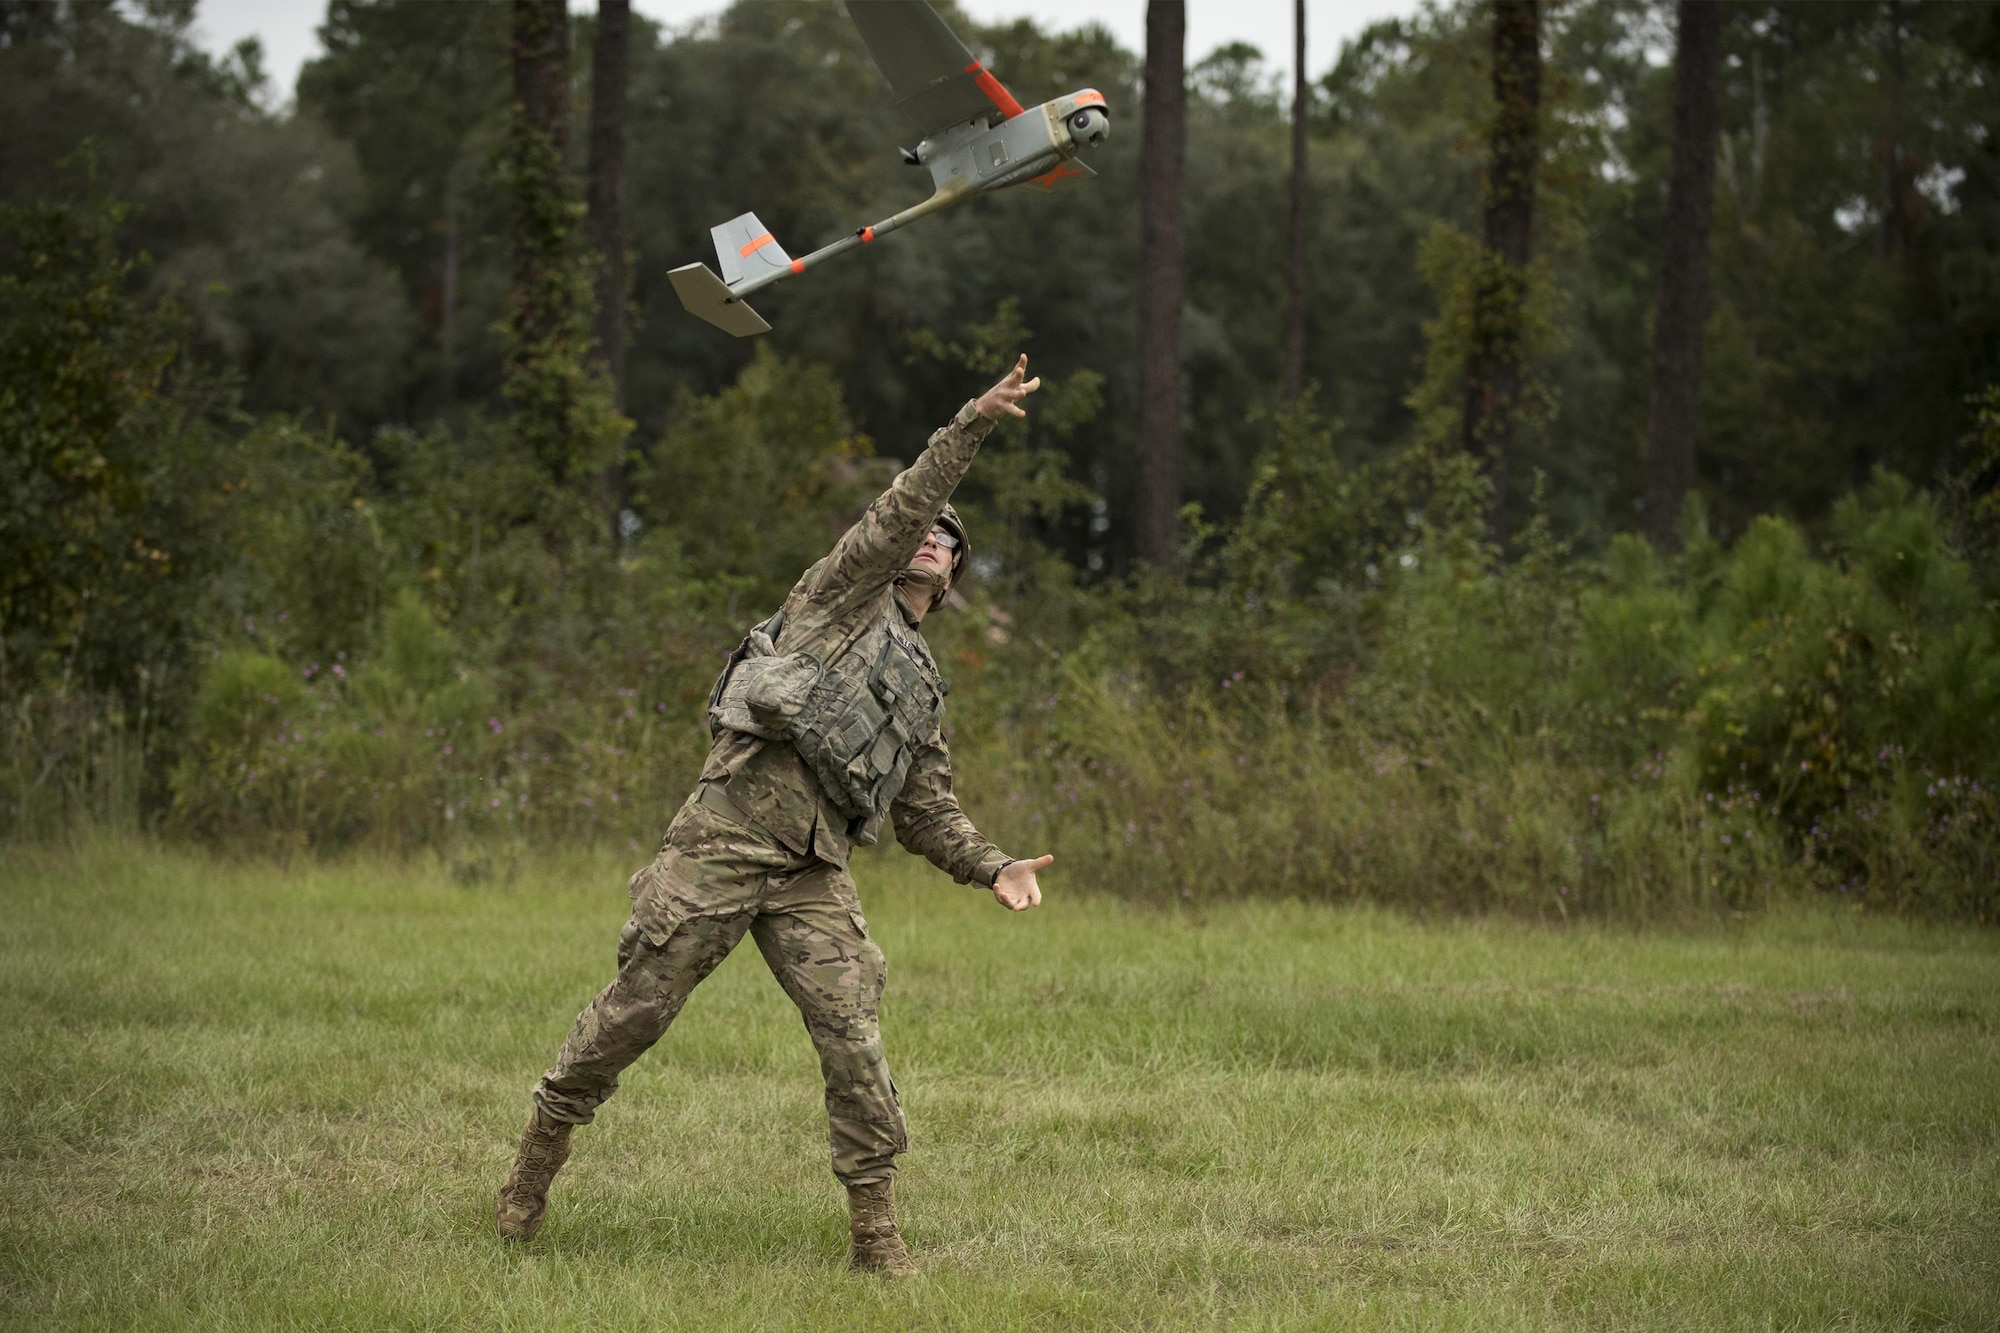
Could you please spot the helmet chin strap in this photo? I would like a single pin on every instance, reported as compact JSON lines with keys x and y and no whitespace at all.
{"x":925,"y":578}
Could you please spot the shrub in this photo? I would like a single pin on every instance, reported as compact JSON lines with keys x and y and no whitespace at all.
{"x":1627,"y":737}
{"x":409,"y":748}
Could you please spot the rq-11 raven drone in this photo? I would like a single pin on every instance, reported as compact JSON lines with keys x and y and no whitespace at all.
{"x":977,"y":138}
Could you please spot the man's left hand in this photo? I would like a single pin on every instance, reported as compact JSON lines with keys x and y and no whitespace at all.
{"x":1016,"y":888}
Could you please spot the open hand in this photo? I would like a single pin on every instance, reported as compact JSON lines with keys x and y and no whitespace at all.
{"x":1004,"y":398}
{"x":1016,"y":888}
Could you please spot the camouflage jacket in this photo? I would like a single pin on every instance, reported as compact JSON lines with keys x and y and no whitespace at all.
{"x":845,"y":598}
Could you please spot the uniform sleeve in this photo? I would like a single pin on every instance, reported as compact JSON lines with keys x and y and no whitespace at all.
{"x":889,"y":534}
{"x":929,"y":822}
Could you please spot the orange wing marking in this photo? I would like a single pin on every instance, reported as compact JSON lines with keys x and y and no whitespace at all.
{"x":1063,"y":171}
{"x":996,"y":93}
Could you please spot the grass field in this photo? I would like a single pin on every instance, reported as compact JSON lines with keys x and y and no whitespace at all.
{"x":242,"y":1097}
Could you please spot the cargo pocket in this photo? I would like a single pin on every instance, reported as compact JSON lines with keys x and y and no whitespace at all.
{"x":655,"y":916}
{"x":636,"y":886}
{"x":776,"y":690}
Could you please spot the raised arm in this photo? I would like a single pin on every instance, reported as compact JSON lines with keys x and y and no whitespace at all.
{"x":880,"y":546}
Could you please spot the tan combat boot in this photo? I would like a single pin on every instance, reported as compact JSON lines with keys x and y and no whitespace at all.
{"x":524,"y":1199}
{"x":877,"y":1246}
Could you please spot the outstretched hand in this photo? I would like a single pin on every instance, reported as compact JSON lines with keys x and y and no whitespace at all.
{"x":1016,"y":888}
{"x":1004,"y":398}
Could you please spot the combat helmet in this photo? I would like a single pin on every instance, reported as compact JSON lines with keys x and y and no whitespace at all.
{"x":949,"y":520}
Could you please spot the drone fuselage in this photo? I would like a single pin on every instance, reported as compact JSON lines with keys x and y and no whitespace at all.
{"x":974,"y":158}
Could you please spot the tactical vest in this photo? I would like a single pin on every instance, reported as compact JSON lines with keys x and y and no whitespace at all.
{"x":856,"y":720}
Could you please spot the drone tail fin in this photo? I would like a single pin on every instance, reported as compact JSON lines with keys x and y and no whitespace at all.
{"x":707,"y":298}
{"x":747,"y":250}
{"x":750,"y":256}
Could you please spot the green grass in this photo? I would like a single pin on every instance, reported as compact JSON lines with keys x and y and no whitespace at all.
{"x":241,"y":1097}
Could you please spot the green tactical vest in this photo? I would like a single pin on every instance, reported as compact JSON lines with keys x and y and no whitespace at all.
{"x":856,"y":720}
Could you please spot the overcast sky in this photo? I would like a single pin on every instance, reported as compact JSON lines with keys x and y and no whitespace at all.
{"x":287,"y":27}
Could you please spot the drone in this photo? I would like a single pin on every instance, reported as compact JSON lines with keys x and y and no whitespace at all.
{"x":977,"y":139}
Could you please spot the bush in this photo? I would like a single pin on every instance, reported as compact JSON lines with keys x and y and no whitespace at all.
{"x":1625,"y":737}
{"x":408,"y":748}
{"x":1207,"y":798}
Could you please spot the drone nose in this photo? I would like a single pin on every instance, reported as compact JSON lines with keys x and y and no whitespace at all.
{"x":1089,"y":126}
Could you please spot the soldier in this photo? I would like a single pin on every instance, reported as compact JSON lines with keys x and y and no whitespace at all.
{"x":827,"y":718}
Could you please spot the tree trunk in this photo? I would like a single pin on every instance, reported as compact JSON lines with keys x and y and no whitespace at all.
{"x":610,"y":59}
{"x":560,"y":409}
{"x":1893,"y":236}
{"x":1163,"y":264}
{"x":1293,"y":381}
{"x":540,"y":44}
{"x":540,"y":49}
{"x":1681,"y":309}
{"x":1493,"y":368}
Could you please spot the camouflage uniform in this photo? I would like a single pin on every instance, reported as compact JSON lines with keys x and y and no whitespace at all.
{"x":762,"y":846}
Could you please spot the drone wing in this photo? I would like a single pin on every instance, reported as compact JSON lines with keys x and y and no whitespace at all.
{"x":937,"y":82}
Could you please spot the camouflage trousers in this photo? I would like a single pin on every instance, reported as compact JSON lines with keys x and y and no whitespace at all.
{"x":713,"y":880}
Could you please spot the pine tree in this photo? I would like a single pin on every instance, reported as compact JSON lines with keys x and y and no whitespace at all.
{"x":1162,"y":281}
{"x":1293,"y":380}
{"x":1682,"y":306}
{"x":1493,"y":369}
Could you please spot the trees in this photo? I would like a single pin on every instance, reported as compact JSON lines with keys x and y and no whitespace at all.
{"x":1851,"y":311}
{"x":610,"y":62}
{"x":1681,"y":309}
{"x":562,"y":415}
{"x":81,"y":371}
{"x":141,"y":509}
{"x":419,"y":93}
{"x":145,"y":519}
{"x":288,"y":237}
{"x":537,"y":141}
{"x":249,"y":215}
{"x":1493,"y":367}
{"x":1292,"y":376}
{"x":1162,"y":281}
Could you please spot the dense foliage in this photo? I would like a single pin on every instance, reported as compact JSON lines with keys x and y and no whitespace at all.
{"x":305,"y":532}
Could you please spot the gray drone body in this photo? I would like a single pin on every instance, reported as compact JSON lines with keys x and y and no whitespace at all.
{"x":977,"y":139}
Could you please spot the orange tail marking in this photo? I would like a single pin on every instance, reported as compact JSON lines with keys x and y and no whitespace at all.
{"x":753,"y":247}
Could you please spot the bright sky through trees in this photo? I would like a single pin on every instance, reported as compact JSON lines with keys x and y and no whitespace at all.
{"x":287,"y":27}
